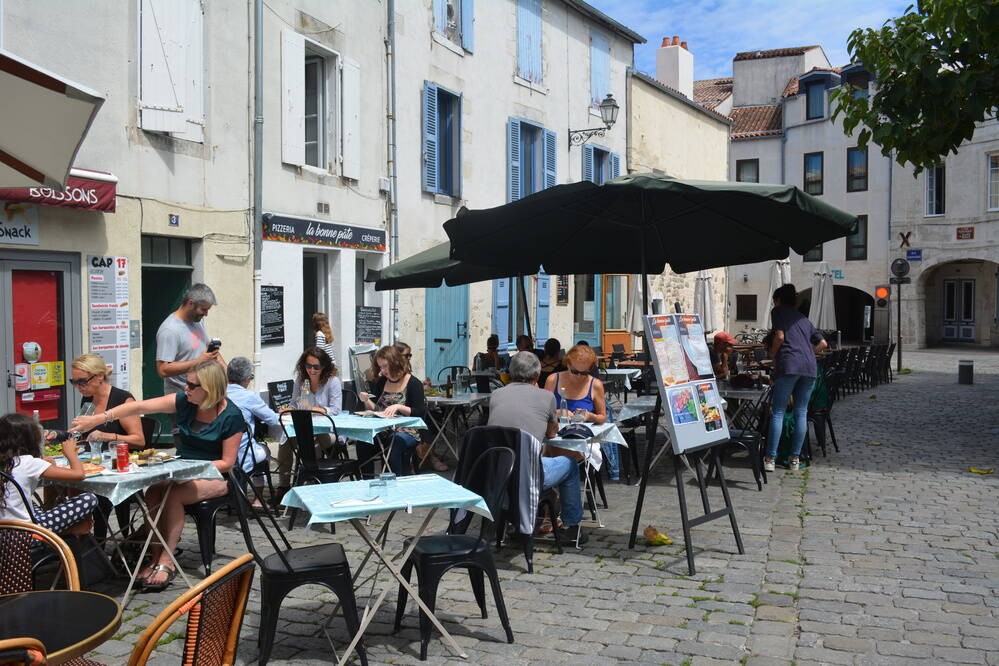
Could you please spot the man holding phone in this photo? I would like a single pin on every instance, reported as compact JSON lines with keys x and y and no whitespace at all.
{"x":182,"y":341}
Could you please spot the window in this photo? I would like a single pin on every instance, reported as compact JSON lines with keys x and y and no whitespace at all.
{"x":856,"y":170}
{"x":813,"y":173}
{"x":441,"y":141}
{"x":599,"y":165}
{"x":532,"y":158}
{"x":529,"y":64}
{"x":454,"y":20}
{"x":320,"y":107}
{"x":600,"y":46}
{"x":815,"y":254}
{"x":994,"y":185}
{"x":747,"y":171}
{"x":935,"y":190}
{"x":166,"y":251}
{"x":815,"y":100}
{"x":171,"y":68}
{"x":856,"y":243}
{"x":745,"y":307}
{"x":859,"y":83}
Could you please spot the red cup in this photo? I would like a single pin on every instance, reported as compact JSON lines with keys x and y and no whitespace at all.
{"x":122,"y":457}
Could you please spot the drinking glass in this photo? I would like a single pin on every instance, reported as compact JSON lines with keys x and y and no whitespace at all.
{"x":95,"y":451}
{"x":86,"y":410}
{"x":376,"y":488}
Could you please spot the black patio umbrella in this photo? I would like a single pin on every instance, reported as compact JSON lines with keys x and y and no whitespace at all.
{"x":642,"y":222}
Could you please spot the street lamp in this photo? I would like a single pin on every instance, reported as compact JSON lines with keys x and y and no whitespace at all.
{"x":608,"y":114}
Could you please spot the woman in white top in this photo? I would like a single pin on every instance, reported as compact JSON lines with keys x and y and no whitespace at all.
{"x":324,"y":334}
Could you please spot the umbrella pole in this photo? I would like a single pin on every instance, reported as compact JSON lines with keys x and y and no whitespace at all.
{"x":527,"y":313}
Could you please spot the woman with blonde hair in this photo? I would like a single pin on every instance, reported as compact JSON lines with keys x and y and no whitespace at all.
{"x":89,"y":374}
{"x":210,"y":428}
{"x":323,"y":333}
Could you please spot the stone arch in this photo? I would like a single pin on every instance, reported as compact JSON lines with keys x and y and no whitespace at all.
{"x":955,"y":301}
{"x":849,"y":303}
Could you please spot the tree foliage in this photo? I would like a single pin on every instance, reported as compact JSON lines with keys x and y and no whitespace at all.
{"x":936,"y":71}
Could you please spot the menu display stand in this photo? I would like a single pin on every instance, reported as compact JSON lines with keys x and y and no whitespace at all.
{"x":695,"y":418}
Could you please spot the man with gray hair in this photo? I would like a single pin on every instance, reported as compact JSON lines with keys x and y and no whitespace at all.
{"x":252,"y":406}
{"x":521,"y":404}
{"x":182,"y":341}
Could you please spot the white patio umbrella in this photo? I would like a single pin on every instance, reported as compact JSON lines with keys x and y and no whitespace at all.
{"x":704,"y":299}
{"x":822,"y":311}
{"x":634,"y":315}
{"x":780,"y":274}
{"x":44,"y":120}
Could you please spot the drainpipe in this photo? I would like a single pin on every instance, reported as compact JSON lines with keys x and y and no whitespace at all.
{"x":258,"y":161}
{"x":393,"y":204}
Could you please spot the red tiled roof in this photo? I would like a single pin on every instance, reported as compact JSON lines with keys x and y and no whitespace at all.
{"x":774,"y":53}
{"x":791,"y":88}
{"x":755,"y":121}
{"x":709,"y":93}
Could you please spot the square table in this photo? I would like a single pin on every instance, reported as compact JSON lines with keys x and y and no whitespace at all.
{"x":745,"y":398}
{"x":450,"y":408}
{"x":360,"y":428}
{"x":348,"y":500}
{"x":118,"y":487}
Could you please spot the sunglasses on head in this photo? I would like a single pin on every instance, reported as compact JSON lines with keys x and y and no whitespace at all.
{"x":313,"y":366}
{"x":190,"y":386}
{"x":81,"y":382}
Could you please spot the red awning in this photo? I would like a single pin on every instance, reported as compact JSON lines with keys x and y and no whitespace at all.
{"x":89,"y":190}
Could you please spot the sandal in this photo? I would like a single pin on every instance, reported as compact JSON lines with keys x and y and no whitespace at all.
{"x":159,"y":587}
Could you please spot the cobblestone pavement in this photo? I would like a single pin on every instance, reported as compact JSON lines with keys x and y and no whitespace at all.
{"x":883,"y":553}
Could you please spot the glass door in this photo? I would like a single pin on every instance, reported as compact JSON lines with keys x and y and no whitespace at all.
{"x":959,"y":310}
{"x":615,"y":333}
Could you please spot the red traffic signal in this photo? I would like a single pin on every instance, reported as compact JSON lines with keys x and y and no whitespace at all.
{"x":881,"y":295}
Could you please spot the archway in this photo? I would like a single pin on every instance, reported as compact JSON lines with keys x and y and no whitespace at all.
{"x":855,"y":325}
{"x":959,"y":302}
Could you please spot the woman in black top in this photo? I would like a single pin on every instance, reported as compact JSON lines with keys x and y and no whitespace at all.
{"x":209,"y":428}
{"x":90,"y":377}
{"x":396,"y":393}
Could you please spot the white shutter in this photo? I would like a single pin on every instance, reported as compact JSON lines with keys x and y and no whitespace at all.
{"x":292,"y":97}
{"x":162,"y":65}
{"x":194,"y":78}
{"x":350,"y":96}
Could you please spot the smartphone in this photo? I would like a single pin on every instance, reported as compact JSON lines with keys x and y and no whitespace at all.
{"x":214,"y":344}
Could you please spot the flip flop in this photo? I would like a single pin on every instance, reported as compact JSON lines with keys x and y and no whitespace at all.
{"x":159,"y":587}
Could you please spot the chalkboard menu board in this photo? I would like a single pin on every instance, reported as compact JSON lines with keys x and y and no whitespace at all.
{"x":368,"y":324}
{"x":562,"y":290}
{"x":281,"y":393}
{"x":271,"y":315}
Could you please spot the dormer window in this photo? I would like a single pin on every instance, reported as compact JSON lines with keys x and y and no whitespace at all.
{"x":815,"y":100}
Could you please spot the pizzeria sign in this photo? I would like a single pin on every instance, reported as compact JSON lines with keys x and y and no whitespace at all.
{"x":285,"y":229}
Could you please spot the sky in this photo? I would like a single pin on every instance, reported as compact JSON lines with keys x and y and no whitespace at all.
{"x":715,"y":30}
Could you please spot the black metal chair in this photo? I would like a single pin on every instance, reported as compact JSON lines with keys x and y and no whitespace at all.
{"x":749,"y":438}
{"x":433,"y":556}
{"x":309,"y":466}
{"x":151,"y":429}
{"x":287,"y":568}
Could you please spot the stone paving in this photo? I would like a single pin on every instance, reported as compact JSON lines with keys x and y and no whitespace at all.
{"x":884,"y":553}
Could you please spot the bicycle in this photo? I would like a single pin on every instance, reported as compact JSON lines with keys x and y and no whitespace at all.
{"x":751,"y":335}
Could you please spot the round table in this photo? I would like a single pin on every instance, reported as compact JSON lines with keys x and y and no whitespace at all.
{"x":68,"y":623}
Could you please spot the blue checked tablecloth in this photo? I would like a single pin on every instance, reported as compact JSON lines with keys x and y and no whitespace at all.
{"x":331,"y":502}
{"x":635,"y":407}
{"x":606,"y":433}
{"x":626,"y":375}
{"x":361,"y":428}
{"x":119,"y":487}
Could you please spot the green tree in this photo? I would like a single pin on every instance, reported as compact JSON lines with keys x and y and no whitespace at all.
{"x":936,"y":71}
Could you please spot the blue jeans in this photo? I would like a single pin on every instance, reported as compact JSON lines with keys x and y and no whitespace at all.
{"x":563,"y":472}
{"x":786,"y":386}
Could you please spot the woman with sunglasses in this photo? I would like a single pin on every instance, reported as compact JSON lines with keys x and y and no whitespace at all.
{"x":210,"y":428}
{"x":89,"y":375}
{"x":576,"y":390}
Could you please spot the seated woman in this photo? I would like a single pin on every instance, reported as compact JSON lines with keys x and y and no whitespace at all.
{"x":397,"y":393}
{"x":21,"y":458}
{"x":316,"y":388}
{"x":210,"y":427}
{"x":551,"y":360}
{"x":489,"y":359}
{"x":583,"y":396}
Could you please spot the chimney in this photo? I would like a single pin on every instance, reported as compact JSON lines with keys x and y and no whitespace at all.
{"x":675,"y":65}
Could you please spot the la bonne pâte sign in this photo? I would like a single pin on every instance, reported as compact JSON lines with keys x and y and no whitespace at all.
{"x":286,"y":229}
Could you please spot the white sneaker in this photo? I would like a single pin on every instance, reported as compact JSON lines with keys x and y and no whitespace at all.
{"x":794,"y":464}
{"x":768,"y":465}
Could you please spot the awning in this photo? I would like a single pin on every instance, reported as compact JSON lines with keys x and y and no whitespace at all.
{"x":89,"y":190}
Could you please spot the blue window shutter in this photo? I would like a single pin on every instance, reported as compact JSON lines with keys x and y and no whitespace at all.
{"x":430,"y":155}
{"x":501,"y":309}
{"x":551,"y":158}
{"x":599,"y":67}
{"x":535,"y":38}
{"x":513,"y":160}
{"x":440,"y":15}
{"x":615,"y":165}
{"x":544,"y":303}
{"x":529,"y":40}
{"x":588,"y":173}
{"x":523,"y":50}
{"x":456,"y":110}
{"x":468,"y":25}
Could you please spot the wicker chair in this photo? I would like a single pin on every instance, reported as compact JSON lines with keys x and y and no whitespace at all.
{"x":22,"y":652}
{"x":16,"y":571}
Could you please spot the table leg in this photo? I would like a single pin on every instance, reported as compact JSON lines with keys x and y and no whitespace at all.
{"x":448,"y":415}
{"x":153,"y":530}
{"x":370,"y":610}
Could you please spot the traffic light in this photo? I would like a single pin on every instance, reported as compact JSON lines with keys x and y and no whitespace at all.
{"x":881,"y":295}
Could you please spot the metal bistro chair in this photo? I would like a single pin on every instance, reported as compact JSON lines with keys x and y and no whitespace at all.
{"x":749,"y":438}
{"x":287,"y":568}
{"x":22,"y":651}
{"x":433,"y":556}
{"x":309,"y":466}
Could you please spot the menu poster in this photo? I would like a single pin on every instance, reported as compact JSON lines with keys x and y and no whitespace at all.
{"x":682,"y":364}
{"x":107,"y":291}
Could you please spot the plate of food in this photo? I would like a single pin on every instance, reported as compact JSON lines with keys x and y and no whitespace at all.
{"x":91,"y":469}
{"x":151,"y":457}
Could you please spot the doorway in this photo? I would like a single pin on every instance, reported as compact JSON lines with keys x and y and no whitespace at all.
{"x":586,"y":310}
{"x":314,"y":272}
{"x":959,"y":310}
{"x":41,"y":333}
{"x":614,"y":290}
{"x":447,"y":329}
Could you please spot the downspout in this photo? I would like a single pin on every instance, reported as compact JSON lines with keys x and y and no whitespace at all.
{"x":258,"y":161}
{"x":393,"y":204}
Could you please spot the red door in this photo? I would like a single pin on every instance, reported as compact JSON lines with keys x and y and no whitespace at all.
{"x":36,"y":299}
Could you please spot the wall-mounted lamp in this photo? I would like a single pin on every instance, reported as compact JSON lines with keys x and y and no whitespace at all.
{"x":608,"y":114}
